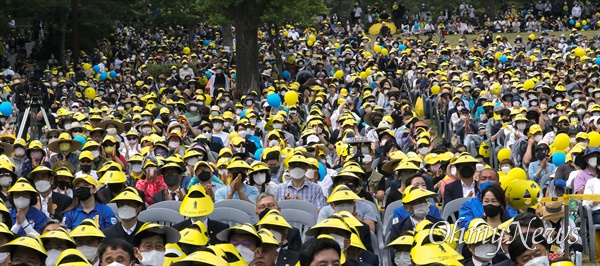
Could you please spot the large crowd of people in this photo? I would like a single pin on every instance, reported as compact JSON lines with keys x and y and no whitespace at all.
{"x":352,"y":150}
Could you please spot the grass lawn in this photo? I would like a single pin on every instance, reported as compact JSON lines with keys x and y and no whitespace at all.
{"x":453,"y":39}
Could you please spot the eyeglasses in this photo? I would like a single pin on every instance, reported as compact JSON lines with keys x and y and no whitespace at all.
{"x":206,"y":131}
{"x":5,"y":174}
{"x":131,"y":138}
{"x":245,"y":243}
{"x":85,"y":161}
{"x":270,"y":206}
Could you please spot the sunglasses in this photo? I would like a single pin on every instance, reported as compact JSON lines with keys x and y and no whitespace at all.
{"x":131,"y":138}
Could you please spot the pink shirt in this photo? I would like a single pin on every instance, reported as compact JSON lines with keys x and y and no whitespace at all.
{"x":580,"y":180}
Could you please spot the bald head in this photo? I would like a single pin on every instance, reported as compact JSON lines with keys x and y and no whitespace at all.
{"x":488,"y":175}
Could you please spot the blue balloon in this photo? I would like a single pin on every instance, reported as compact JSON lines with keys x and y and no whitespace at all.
{"x":559,"y":158}
{"x":258,"y":153}
{"x":96,"y":68}
{"x":103,"y":76}
{"x":234,"y":75}
{"x":586,"y":27}
{"x":113,"y":74}
{"x":598,"y":61}
{"x":274,"y":100}
{"x":503,"y":59}
{"x":6,"y":109}
{"x":402,"y":47}
{"x":208,"y":74}
{"x":206,"y":42}
{"x":243,"y":113}
{"x":571,"y":22}
{"x":416,"y":25}
{"x":286,"y":75}
{"x":81,"y":139}
{"x":322,"y":172}
{"x":373,"y":85}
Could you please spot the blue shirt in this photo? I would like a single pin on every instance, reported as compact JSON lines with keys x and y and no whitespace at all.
{"x":250,"y":191}
{"x":255,"y":140}
{"x":185,"y":182}
{"x":36,"y":218}
{"x":535,"y":166}
{"x":106,"y":217}
{"x":216,"y":183}
{"x":473,"y":208}
{"x":400,"y":214}
{"x":309,"y":191}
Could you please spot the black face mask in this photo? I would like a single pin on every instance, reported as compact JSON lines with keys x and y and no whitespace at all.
{"x":63,"y":184}
{"x":86,"y":168}
{"x":467,"y":172}
{"x":274,"y":169}
{"x":235,"y":175}
{"x":204,"y":176}
{"x":492,"y":210}
{"x":171,"y":180}
{"x":83,"y":193}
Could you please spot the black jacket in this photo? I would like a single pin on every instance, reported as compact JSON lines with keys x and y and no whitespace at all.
{"x":294,"y":240}
{"x":287,"y":257}
{"x":368,"y":257}
{"x":454,"y":191}
{"x":61,"y":202}
{"x":116,"y":231}
{"x":214,"y":227}
{"x":405,"y":225}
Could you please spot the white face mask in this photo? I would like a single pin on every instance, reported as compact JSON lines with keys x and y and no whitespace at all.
{"x":126,"y":212}
{"x":273,"y":143}
{"x":367,"y":158}
{"x":114,"y":263}
{"x":218,"y":126}
{"x":96,"y":153}
{"x":505,"y":169}
{"x":193,"y":108}
{"x":593,"y":161}
{"x":537,"y":138}
{"x":5,"y":181}
{"x":173,"y":144}
{"x":521,"y":126}
{"x":402,"y":258}
{"x":42,"y":185}
{"x":485,"y":252}
{"x":479,"y":167}
{"x":153,"y":257}
{"x":297,"y":173}
{"x":53,"y":255}
{"x":420,"y":210}
{"x":223,"y":172}
{"x":259,"y":178}
{"x":89,"y":252}
{"x":310,"y":173}
{"x":453,"y":170}
{"x":246,"y":253}
{"x":242,"y":133}
{"x":349,"y":207}
{"x":208,"y":135}
{"x":21,"y":202}
{"x":249,"y":132}
{"x":192,"y":161}
{"x":3,"y":256}
{"x":340,"y":240}
{"x":538,"y":261}
{"x":240,"y":150}
{"x":424,"y":150}
{"x":136,"y":168}
{"x":277,"y":125}
{"x":227,"y":124}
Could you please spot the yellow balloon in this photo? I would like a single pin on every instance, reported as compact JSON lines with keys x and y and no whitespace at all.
{"x":336,"y":45}
{"x":338,"y":74}
{"x":517,"y":173}
{"x":312,"y":38}
{"x":495,"y":88}
{"x":529,"y":84}
{"x":363,"y":75}
{"x":90,"y":93}
{"x":531,"y":37}
{"x":285,"y":33}
{"x":503,"y":154}
{"x":577,"y":25}
{"x":584,"y":22}
{"x":87,"y":66}
{"x":497,"y":55}
{"x":435,"y":89}
{"x":579,"y":52}
{"x":562,"y":141}
{"x":207,"y":99}
{"x":377,"y":49}
{"x":594,"y":139}
{"x":384,"y":51}
{"x":517,"y":192}
{"x":186,"y":50}
{"x":310,"y":43}
{"x":291,"y":98}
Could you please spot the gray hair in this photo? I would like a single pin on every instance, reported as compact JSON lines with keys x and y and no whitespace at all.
{"x":262,"y":196}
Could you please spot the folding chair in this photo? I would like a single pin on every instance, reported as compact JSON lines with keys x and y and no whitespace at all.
{"x":241,"y":205}
{"x":299,"y":219}
{"x":167,"y":204}
{"x":450,"y":210}
{"x":161,"y":215}
{"x":229,"y":216}
{"x":375,"y":244}
{"x":114,"y":208}
{"x":389,"y":212}
{"x":299,"y":205}
{"x":591,"y":232}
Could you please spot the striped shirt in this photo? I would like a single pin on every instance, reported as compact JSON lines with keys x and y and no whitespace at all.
{"x":309,"y":192}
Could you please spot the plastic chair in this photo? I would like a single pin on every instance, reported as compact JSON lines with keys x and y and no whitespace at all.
{"x":452,"y":208}
{"x":299,"y":219}
{"x":229,"y":216}
{"x":299,"y":205}
{"x":167,"y":204}
{"x":114,"y":208}
{"x":591,"y":232}
{"x":241,"y":205}
{"x":387,"y":216}
{"x":375,"y":244}
{"x":161,"y":215}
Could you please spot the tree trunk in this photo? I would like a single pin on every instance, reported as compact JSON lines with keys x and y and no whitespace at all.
{"x":63,"y":38}
{"x":227,"y":35}
{"x":246,"y":29}
{"x":277,"y":50}
{"x":75,"y":26}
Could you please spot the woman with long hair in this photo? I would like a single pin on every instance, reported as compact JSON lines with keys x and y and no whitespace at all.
{"x":88,"y":204}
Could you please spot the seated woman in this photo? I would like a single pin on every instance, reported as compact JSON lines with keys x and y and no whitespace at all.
{"x":415,"y":202}
{"x":88,"y":204}
{"x":401,"y":213}
{"x":25,"y":218}
{"x":494,"y":205}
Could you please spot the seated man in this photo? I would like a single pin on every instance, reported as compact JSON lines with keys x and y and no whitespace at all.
{"x":415,"y":202}
{"x":267,"y":253}
{"x":197,"y":196}
{"x":237,"y":189}
{"x":150,"y":241}
{"x":245,"y":239}
{"x":298,"y":187}
{"x":290,"y":238}
{"x":116,"y":250}
{"x":320,"y":251}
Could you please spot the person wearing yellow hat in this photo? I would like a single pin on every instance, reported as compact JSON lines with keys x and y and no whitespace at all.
{"x":55,"y":242}
{"x":25,"y":218}
{"x":465,"y":186}
{"x":415,"y":202}
{"x":172,"y":176}
{"x":87,"y":205}
{"x":65,"y":148}
{"x":129,"y":204}
{"x":150,"y":240}
{"x":51,"y":203}
{"x":18,"y":157}
{"x":25,"y":250}
{"x":116,"y":251}
{"x":245,"y":239}
{"x":236,"y":189}
{"x":298,"y":187}
{"x":35,"y":153}
{"x":321,"y":251}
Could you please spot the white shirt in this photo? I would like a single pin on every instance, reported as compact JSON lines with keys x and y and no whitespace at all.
{"x":130,"y":230}
{"x":479,"y":263}
{"x":592,"y":186}
{"x":467,"y":189}
{"x":68,"y":192}
{"x":223,"y":136}
{"x":44,"y":204}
